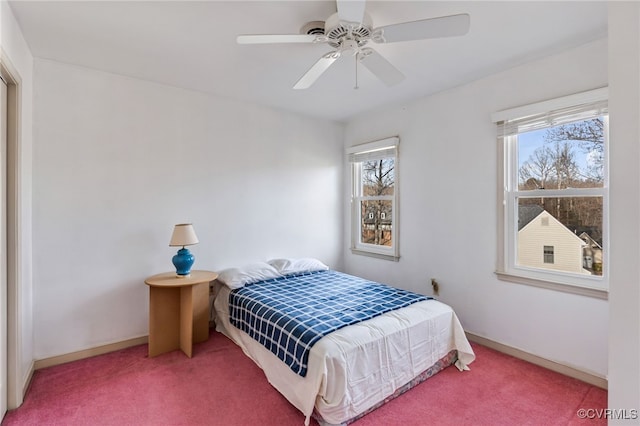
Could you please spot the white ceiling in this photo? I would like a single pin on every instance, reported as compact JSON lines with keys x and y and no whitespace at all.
{"x":192,"y":45}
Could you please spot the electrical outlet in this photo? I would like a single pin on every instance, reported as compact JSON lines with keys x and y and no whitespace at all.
{"x":436,"y":286}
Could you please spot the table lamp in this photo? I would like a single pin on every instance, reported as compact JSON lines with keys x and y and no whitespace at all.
{"x":183,"y":235}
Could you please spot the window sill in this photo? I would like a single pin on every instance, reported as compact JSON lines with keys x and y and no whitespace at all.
{"x":553,"y":285}
{"x":376,"y":255}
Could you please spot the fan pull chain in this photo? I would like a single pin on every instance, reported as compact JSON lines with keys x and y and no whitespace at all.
{"x":357,"y":60}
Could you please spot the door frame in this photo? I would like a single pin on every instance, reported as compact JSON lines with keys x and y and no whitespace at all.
{"x":3,"y":248}
{"x":16,"y":384}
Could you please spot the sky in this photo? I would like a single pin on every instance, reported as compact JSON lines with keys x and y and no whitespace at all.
{"x":530,"y":141}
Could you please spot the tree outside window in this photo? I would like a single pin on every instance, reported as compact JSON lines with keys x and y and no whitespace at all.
{"x":377,"y":181}
{"x":374,"y":198}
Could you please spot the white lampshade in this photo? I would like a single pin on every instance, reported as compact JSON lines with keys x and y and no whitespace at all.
{"x":183,"y":235}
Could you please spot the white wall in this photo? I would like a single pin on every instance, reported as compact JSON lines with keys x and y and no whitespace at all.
{"x":624,"y":104}
{"x":448,"y":203}
{"x":16,"y":52}
{"x":119,"y":161}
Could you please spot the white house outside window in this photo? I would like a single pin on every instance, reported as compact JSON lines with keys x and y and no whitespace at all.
{"x":554,"y":181}
{"x":374,"y":198}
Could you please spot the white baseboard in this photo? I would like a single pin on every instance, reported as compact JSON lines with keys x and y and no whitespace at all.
{"x":576,"y":373}
{"x":87,"y":353}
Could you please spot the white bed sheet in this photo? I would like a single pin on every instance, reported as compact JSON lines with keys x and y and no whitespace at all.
{"x":356,"y":367}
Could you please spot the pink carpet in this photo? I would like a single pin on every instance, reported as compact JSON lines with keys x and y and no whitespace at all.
{"x":221,"y":386}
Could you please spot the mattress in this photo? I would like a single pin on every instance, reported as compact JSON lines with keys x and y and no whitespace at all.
{"x":289,"y":314}
{"x":359,"y":366}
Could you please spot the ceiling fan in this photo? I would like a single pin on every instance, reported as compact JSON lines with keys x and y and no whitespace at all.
{"x":350,"y":30}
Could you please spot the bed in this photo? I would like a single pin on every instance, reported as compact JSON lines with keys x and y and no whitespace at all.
{"x":355,"y":368}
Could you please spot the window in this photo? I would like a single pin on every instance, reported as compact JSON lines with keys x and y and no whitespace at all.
{"x":554,"y":181}
{"x":548,"y":254}
{"x":374,"y":198}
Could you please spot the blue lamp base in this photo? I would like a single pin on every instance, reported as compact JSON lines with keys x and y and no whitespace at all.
{"x":183,"y":261}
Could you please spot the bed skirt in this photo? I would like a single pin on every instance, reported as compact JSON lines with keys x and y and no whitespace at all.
{"x":444,"y":362}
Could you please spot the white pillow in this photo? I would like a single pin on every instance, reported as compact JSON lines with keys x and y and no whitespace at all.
{"x":254,"y":272}
{"x":288,"y":266}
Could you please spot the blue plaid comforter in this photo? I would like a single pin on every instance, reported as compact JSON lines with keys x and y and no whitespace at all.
{"x":288,"y":315}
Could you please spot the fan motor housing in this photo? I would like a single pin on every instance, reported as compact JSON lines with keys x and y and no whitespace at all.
{"x":338,"y":31}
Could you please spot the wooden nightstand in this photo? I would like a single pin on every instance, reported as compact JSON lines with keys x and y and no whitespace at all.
{"x":178,"y":311}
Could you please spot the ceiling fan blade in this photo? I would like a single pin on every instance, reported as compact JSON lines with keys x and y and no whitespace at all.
{"x":316,"y":70}
{"x":351,"y":10}
{"x":380,"y":67}
{"x":275,"y":38}
{"x":445,"y":26}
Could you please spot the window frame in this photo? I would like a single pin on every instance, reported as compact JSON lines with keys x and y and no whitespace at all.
{"x":357,"y":246}
{"x":508,"y":193}
{"x":548,"y":254}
